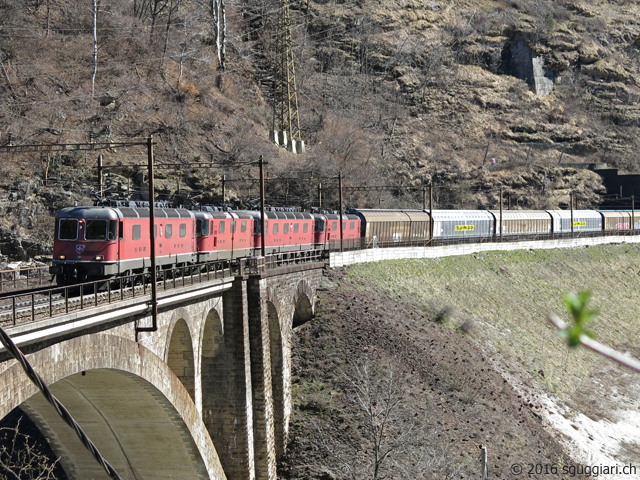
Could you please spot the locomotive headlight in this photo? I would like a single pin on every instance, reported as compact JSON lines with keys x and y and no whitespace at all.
{"x":99,"y":258}
{"x":62,"y":257}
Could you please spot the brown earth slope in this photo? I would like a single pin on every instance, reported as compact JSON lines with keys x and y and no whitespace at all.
{"x":447,"y":380}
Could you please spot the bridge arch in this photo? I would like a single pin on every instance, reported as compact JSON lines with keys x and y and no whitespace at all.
{"x":285,"y":312}
{"x":180,"y":355}
{"x":216,"y":376}
{"x":136,"y":411}
{"x":303,"y":303}
{"x":278,"y":382}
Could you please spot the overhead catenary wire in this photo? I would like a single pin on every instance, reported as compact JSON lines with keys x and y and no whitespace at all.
{"x":15,"y":352}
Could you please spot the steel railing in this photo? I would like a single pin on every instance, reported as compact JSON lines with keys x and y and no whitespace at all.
{"x":24,"y":277}
{"x":51,"y":302}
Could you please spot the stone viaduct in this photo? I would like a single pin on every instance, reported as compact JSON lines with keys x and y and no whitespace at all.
{"x":205,"y":395}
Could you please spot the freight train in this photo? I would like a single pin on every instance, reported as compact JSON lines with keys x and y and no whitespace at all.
{"x":102,"y":242}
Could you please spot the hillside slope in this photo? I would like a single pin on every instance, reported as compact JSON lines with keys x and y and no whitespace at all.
{"x":476,"y":364}
{"x":394,"y":92}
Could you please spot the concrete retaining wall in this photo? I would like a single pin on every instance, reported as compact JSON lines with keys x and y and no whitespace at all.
{"x":341,"y":259}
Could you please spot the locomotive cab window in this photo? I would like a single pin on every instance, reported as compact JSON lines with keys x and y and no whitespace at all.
{"x":113,"y":230}
{"x":96,"y":230}
{"x":352,"y":226}
{"x":202,"y":226}
{"x":319,"y":225}
{"x":221,"y":227}
{"x":68,"y":229}
{"x":334,"y":226}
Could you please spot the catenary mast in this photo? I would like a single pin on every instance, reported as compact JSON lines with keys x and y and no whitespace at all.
{"x":286,"y":130}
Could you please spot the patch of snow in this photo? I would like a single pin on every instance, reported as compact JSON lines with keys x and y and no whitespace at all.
{"x":593,"y":443}
{"x":590,"y":443}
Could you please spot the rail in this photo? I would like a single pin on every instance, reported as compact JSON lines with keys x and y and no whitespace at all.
{"x":42,"y":303}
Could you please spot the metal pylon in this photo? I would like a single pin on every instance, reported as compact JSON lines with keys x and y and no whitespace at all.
{"x":286,"y":117}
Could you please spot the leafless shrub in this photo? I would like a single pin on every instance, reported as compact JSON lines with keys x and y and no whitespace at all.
{"x":466,"y":324}
{"x":398,"y":442}
{"x":440,"y":312}
{"x":456,"y":381}
{"x":20,"y":456}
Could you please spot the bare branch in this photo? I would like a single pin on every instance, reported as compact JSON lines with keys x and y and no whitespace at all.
{"x":598,"y":347}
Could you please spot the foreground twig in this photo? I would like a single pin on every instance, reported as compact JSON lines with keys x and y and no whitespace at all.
{"x":596,"y":346}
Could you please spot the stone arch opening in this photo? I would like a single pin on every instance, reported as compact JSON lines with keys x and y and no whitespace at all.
{"x":216,"y":374}
{"x":277,"y":378}
{"x":135,"y":395}
{"x":180,"y":357}
{"x":303,"y":311}
{"x":134,"y":426}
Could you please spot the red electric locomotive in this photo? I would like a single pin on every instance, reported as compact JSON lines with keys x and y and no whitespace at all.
{"x":327,"y":230}
{"x":223,"y":235}
{"x":94,"y":243}
{"x":284,"y":232}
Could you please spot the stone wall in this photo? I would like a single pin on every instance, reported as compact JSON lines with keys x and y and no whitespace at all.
{"x":342,"y":259}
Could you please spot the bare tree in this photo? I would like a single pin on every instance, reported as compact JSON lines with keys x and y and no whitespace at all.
{"x":96,"y":5}
{"x":174,"y":5}
{"x":398,"y":441}
{"x":218,"y":15}
{"x":153,"y":9}
{"x":6,"y":76}
{"x":216,"y":9}
{"x":20,"y":456}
